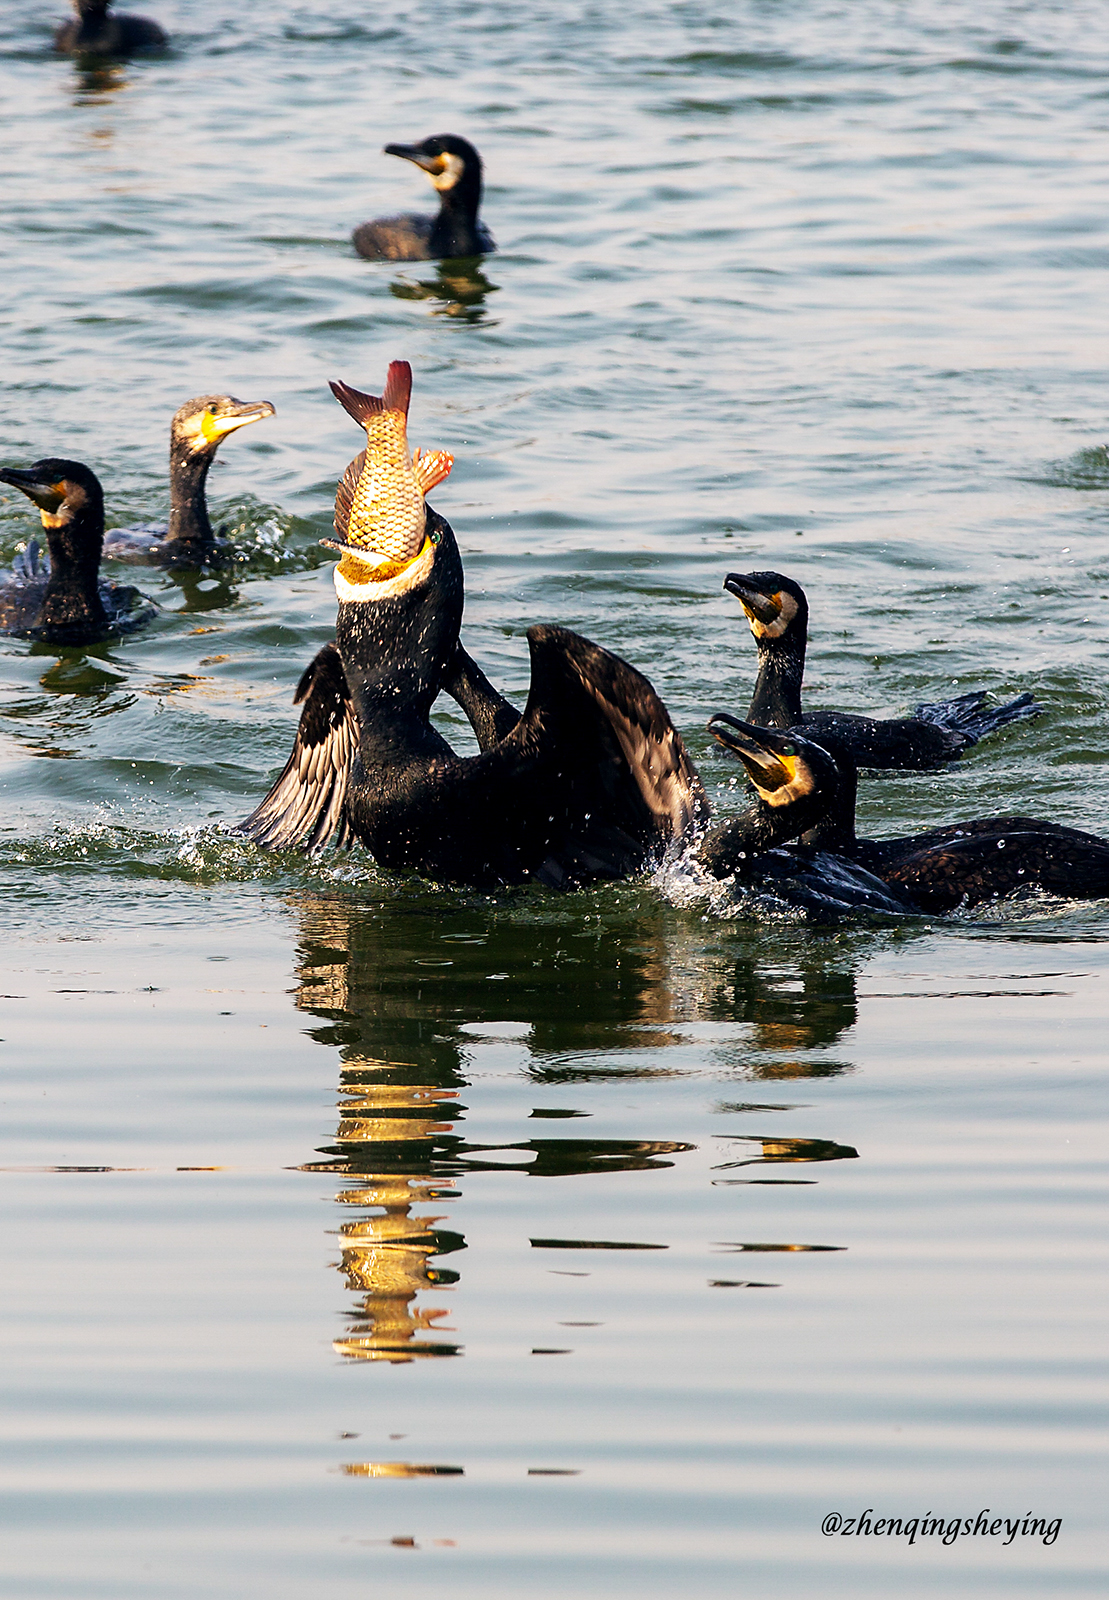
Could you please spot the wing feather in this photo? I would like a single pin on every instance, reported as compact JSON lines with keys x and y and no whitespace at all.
{"x":304,"y":809}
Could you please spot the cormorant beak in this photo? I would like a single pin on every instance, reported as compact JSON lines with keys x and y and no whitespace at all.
{"x":47,"y":494}
{"x":770,"y":758}
{"x":413,"y":152}
{"x":240,"y":415}
{"x":759,"y":606}
{"x":444,"y":170}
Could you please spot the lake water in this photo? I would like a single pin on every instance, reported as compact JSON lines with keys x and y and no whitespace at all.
{"x":604,"y":1244}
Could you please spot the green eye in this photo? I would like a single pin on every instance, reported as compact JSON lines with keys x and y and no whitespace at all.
{"x":788,"y":750}
{"x":436,"y":537}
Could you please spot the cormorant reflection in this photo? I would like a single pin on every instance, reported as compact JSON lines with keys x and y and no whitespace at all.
{"x":94,"y":83}
{"x":804,"y":1004}
{"x":458,"y":289}
{"x":378,"y":979}
{"x":207,"y":589}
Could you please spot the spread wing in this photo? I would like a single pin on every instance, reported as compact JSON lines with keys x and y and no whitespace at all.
{"x":305,"y":807}
{"x":570,"y":669}
{"x":613,"y":762}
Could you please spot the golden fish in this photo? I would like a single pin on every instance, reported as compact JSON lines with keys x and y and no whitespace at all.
{"x":379,"y":504}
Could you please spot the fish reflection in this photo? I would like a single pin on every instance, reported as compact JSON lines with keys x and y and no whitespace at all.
{"x":458,"y":290}
{"x":389,"y":1131}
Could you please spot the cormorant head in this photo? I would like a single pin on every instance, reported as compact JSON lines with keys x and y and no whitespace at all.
{"x":451,"y":163}
{"x":783,"y":767}
{"x":64,"y":491}
{"x":88,"y":10}
{"x":774,"y":605}
{"x":200,"y":424}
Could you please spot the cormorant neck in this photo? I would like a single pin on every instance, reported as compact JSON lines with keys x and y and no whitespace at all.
{"x":398,"y":652}
{"x":454,"y":231}
{"x":776,"y":699}
{"x":836,"y":829}
{"x":188,"y":504}
{"x":72,"y":600}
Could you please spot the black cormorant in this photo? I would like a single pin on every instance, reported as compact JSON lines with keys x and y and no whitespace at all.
{"x":778,"y":613}
{"x":66,"y":601}
{"x":95,"y":32}
{"x":592,"y":781}
{"x":961,"y":864}
{"x":195,"y":434}
{"x":454,"y":167}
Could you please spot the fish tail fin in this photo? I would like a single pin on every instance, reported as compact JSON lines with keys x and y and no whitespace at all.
{"x":431,"y":467}
{"x":398,"y":386}
{"x":398,"y":392}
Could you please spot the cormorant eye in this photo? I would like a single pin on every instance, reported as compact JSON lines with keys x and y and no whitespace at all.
{"x":788,"y":750}
{"x":435,"y":536}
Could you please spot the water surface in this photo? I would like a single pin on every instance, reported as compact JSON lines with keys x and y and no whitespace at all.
{"x":362,"y":1231}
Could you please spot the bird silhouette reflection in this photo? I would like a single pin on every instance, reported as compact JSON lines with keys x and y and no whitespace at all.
{"x":457,"y":290}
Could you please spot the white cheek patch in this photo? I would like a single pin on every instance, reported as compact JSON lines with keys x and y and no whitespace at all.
{"x":416,"y":573}
{"x":798,"y":787}
{"x":453,"y":168}
{"x":775,"y":629}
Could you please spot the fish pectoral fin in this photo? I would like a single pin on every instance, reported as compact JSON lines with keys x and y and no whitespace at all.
{"x":431,"y":467}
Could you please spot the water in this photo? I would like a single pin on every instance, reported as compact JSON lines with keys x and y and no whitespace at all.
{"x":666,"y":1230}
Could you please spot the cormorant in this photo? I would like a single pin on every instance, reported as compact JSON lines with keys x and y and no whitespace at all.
{"x":753,"y":848}
{"x":66,"y":601}
{"x":454,"y":167}
{"x":195,"y":434}
{"x":94,"y":32}
{"x":961,"y":864}
{"x":778,"y":613}
{"x":592,"y":781}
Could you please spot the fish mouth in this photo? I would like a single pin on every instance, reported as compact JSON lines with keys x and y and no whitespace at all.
{"x":770,"y":758}
{"x":414,"y":153}
{"x":47,"y":492}
{"x":759,"y":606}
{"x":233,"y":415}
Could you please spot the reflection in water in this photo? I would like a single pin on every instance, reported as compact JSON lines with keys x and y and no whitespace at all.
{"x":386,"y":1140}
{"x":410,"y":988}
{"x":789,"y":1150}
{"x":398,"y":1136}
{"x":94,"y":84}
{"x":458,"y":289}
{"x":203,"y":590}
{"x":78,"y":669}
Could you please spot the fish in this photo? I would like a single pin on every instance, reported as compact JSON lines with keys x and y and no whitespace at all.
{"x":379,"y":503}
